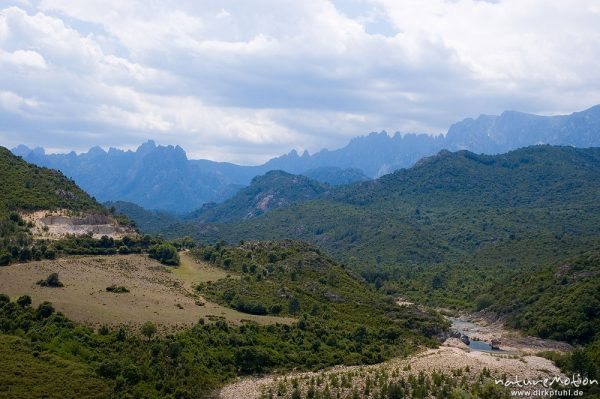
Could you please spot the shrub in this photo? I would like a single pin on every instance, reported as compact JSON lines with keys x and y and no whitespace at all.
{"x":165,"y":253}
{"x":51,"y":281}
{"x":251,"y":307}
{"x":44,"y":310}
{"x":4,"y":258}
{"x":293,"y":305}
{"x":483,"y":301}
{"x":108,"y":369}
{"x":252,"y":360}
{"x":50,"y":253}
{"x":24,"y":301}
{"x":121,"y":334}
{"x":117,"y":289}
{"x":148,"y":330}
{"x":275,"y":309}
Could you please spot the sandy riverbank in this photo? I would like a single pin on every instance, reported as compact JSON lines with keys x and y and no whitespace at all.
{"x":453,"y":355}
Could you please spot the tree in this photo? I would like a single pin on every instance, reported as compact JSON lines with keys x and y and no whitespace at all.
{"x":148,"y":330}
{"x":437,"y":282}
{"x":252,"y":360}
{"x":24,"y":301}
{"x":165,"y":253}
{"x":51,"y":281}
{"x":44,"y":310}
{"x":4,"y":258}
{"x":185,"y":243}
{"x":107,"y":242}
{"x":293,"y":305}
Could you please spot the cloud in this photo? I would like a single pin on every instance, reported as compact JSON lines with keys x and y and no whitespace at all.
{"x":25,"y":58}
{"x":244,"y":81}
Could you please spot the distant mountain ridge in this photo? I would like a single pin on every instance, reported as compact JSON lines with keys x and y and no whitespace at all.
{"x":155,"y":177}
{"x":162,"y":177}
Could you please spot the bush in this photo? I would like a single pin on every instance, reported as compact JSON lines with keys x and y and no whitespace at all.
{"x":24,"y":301}
{"x":148,"y":329}
{"x":483,"y":301}
{"x":51,"y":281}
{"x":4,"y":258}
{"x":117,"y":289}
{"x":251,"y":307}
{"x":252,"y":360}
{"x":293,"y":305}
{"x":50,"y":253}
{"x":45,"y":310}
{"x":165,"y":253}
{"x":275,"y":309}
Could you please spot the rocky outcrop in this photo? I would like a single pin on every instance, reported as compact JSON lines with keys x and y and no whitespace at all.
{"x":57,"y":224}
{"x":465,"y":339}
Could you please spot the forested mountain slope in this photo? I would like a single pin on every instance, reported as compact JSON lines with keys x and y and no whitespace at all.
{"x":274,"y":190}
{"x":29,"y":187}
{"x":38,"y":202}
{"x":448,"y":228}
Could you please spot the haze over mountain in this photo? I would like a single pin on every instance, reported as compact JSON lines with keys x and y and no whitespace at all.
{"x":162,"y":177}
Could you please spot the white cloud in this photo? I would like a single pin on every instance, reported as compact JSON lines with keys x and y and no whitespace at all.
{"x":25,"y":58}
{"x":15,"y":103}
{"x":244,"y":81}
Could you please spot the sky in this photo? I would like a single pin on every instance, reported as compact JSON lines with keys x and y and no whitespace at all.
{"x":245,"y":80}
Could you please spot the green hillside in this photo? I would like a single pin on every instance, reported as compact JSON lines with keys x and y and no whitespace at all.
{"x":274,"y":190}
{"x":516,"y":234}
{"x":26,"y":187}
{"x":340,"y":320}
{"x":293,"y":278}
{"x":452,"y":227}
{"x":538,"y":176}
{"x":560,"y":301}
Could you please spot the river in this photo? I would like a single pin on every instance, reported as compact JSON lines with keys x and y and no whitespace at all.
{"x":472,"y":330}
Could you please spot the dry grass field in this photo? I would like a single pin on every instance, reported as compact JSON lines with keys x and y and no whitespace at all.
{"x":160,"y":294}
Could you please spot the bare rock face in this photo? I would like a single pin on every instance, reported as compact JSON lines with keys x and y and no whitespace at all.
{"x":455,"y":343}
{"x":57,"y":224}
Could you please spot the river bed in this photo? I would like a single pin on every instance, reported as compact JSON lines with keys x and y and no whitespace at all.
{"x":472,"y":330}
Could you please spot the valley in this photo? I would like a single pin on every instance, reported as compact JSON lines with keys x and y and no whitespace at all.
{"x":319,"y":199}
{"x":294,"y":288}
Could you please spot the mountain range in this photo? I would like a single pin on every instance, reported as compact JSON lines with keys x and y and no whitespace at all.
{"x":162,"y":177}
{"x":445,"y":231}
{"x":449,"y":231}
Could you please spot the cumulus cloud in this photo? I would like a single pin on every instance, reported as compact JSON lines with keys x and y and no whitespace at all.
{"x":245,"y":81}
